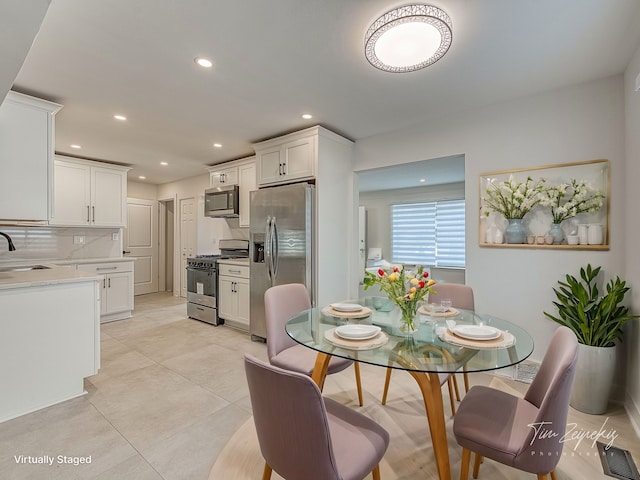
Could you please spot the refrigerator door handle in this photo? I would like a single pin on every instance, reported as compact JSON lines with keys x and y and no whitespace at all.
{"x":267,"y":248}
{"x":276,"y":251}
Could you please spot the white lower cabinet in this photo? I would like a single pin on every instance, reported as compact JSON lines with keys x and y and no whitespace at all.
{"x":233,"y":294}
{"x":116,"y":294}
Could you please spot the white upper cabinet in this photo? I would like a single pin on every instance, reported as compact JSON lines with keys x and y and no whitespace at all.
{"x":247,"y":182}
{"x":287,"y":159}
{"x":26,"y":152}
{"x":219,"y":177}
{"x":89,"y":193}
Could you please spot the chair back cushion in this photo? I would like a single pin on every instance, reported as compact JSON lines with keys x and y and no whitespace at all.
{"x":461,"y":296}
{"x":291,"y":422}
{"x":550,"y":392}
{"x":280,"y":304}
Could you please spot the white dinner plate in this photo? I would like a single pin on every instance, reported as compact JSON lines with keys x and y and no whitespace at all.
{"x":346,"y":307}
{"x":476,"y":332}
{"x":354,"y":331}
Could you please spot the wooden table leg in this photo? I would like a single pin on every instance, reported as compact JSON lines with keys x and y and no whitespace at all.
{"x":429,"y":384}
{"x":320,"y":369}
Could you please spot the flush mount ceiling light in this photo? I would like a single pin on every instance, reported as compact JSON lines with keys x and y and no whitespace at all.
{"x":408,"y":38}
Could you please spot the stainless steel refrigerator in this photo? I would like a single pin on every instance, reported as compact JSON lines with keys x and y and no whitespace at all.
{"x":281,"y":244}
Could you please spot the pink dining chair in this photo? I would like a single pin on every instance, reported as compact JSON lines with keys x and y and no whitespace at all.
{"x":505,"y":428}
{"x":303,"y":435}
{"x":280,"y":304}
{"x":461,"y":296}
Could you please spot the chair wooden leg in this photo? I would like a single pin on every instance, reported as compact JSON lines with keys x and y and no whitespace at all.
{"x":542,"y":476}
{"x":476,"y":465}
{"x":455,"y":386}
{"x":553,"y":475}
{"x":464,"y":465}
{"x":465,"y":375}
{"x":451,"y":399}
{"x":266,"y":474}
{"x":356,"y":367}
{"x":387,"y":380}
{"x":376,"y":472}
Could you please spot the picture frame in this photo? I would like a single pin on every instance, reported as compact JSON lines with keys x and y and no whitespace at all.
{"x":592,"y":175}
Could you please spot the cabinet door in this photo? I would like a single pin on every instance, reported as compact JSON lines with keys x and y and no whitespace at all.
{"x":270,"y":165}
{"x":72,"y":194}
{"x":119,"y":292}
{"x":108,"y":189}
{"x":299,"y":158}
{"x":247,"y":182}
{"x":227,"y":176}
{"x":26,"y":155}
{"x":103,"y":295}
{"x":226,"y":298}
{"x":242,"y":296}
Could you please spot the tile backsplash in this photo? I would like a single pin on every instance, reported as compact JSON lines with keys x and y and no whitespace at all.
{"x":49,"y":243}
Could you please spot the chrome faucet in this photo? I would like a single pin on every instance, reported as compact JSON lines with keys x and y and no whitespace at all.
{"x":11,"y":245}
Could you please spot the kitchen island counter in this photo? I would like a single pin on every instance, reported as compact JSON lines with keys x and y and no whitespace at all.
{"x":49,"y":336}
{"x":52,"y":274}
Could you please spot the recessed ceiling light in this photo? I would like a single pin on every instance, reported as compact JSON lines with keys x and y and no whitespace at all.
{"x":217,"y":145}
{"x":75,"y":146}
{"x":307,"y":116}
{"x":422,"y":180}
{"x":204,"y":62}
{"x":122,"y":118}
{"x":164,"y":163}
{"x":142,"y":177}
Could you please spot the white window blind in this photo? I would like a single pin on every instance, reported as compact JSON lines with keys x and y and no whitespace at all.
{"x":430,"y":233}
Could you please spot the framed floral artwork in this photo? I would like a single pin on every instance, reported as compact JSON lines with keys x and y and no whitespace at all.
{"x":552,"y":206}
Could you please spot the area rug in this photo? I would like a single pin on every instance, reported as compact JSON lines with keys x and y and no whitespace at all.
{"x":409,"y":457}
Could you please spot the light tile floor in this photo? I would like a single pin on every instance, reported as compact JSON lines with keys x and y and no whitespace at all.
{"x":170,"y":394}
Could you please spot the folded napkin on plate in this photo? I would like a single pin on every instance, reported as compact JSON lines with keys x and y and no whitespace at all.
{"x":505,"y":340}
{"x":368,"y":344}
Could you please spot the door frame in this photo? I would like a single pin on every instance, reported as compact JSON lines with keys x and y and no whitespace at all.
{"x":162,"y":244}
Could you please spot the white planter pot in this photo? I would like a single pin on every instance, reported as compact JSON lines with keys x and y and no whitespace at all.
{"x":593,"y":380}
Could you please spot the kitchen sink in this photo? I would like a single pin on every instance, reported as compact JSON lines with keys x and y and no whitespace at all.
{"x":23,"y":268}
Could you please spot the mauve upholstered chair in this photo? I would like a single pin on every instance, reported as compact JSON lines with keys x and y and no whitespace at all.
{"x":280,"y":304}
{"x":304,"y":436}
{"x":461,"y":296}
{"x":524,"y":433}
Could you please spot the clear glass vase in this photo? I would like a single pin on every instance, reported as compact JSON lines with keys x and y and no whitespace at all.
{"x":406,"y":320}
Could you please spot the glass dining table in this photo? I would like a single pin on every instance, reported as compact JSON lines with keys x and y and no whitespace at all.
{"x":434,"y":349}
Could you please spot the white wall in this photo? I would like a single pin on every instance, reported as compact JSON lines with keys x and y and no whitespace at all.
{"x":579,"y":123}
{"x":632,"y":231}
{"x":142,"y":190}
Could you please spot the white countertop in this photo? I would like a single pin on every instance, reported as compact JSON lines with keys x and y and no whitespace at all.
{"x":235,"y":261}
{"x":55,"y":274}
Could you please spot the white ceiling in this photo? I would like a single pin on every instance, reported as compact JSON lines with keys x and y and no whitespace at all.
{"x":275,"y":60}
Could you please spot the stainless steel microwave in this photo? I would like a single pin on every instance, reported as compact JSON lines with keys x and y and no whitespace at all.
{"x":221,"y":201}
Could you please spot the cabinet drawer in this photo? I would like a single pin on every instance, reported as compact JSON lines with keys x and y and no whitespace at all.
{"x":107,"y":267}
{"x":233,"y":270}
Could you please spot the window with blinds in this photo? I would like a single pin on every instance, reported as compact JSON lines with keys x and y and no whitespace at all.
{"x":430,"y":233}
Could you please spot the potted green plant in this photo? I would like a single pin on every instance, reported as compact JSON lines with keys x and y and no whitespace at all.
{"x":597,"y":322}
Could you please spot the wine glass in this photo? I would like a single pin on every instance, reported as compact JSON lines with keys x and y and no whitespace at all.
{"x":445,"y":303}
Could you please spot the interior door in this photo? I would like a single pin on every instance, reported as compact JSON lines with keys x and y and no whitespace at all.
{"x":140,"y":240}
{"x":187,"y":239}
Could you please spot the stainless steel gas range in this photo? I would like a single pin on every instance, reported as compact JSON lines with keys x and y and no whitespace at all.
{"x":202,"y":280}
